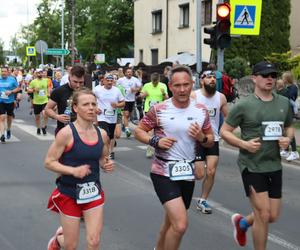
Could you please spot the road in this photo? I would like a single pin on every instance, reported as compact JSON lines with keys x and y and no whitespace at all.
{"x":132,"y":210}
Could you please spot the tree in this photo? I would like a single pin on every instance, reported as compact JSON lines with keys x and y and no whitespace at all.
{"x":273,"y":38}
{"x":2,"y":59}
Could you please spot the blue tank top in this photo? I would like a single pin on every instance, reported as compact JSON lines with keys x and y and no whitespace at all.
{"x":80,"y":153}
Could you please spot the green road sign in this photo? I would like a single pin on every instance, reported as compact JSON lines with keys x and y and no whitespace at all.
{"x":57,"y":52}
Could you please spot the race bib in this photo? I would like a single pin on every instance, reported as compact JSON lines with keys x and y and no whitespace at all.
{"x":152,"y":103}
{"x":3,"y":95}
{"x":272,"y":130}
{"x":181,"y":170}
{"x":42,"y":92}
{"x":109,"y":112}
{"x":87,"y":192}
{"x":212,"y":112}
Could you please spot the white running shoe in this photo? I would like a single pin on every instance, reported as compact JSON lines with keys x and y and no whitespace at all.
{"x":284,"y":153}
{"x":294,"y":155}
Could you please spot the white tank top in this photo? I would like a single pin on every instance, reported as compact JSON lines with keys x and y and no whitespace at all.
{"x":213,"y":105}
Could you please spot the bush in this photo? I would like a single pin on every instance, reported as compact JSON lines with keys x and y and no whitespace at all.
{"x":237,"y":67}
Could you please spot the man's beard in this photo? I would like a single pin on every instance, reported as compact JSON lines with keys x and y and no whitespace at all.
{"x":211,"y":90}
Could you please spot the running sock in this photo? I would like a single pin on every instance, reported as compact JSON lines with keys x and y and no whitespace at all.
{"x":244,"y":224}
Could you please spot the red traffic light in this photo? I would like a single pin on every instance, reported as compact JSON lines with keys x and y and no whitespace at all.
{"x":223,"y":11}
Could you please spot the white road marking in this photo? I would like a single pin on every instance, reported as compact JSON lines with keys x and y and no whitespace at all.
{"x":12,"y":139}
{"x":271,"y":237}
{"x":142,"y":147}
{"x":218,"y":206}
{"x":122,"y":149}
{"x":30,"y":129}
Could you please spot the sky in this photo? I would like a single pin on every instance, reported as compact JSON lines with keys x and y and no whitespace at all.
{"x":15,"y":14}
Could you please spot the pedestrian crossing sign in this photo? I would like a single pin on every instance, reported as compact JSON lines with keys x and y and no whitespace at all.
{"x":30,"y":51}
{"x":245,"y":17}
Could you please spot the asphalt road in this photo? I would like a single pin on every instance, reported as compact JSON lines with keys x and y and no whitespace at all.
{"x":132,"y":210}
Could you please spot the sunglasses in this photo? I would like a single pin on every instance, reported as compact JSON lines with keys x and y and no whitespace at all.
{"x":273,"y":75}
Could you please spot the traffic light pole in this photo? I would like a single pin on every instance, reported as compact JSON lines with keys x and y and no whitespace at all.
{"x":220,"y":54}
{"x":198,"y":43}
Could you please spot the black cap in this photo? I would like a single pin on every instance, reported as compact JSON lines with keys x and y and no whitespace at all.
{"x":263,"y":68}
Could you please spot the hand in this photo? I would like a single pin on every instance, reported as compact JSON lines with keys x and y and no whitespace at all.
{"x":162,"y":91}
{"x":133,"y":90}
{"x":108,"y":165}
{"x":113,"y":105}
{"x":36,"y":90}
{"x":253,"y":145}
{"x":98,"y":111}
{"x":63,"y":118}
{"x":166,"y":142}
{"x":195,"y":131}
{"x":8,"y":92}
{"x":82,"y":171}
{"x":284,"y":142}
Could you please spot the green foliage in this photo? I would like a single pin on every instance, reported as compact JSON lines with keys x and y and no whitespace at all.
{"x":273,"y":38}
{"x":101,"y":26}
{"x":2,"y":59}
{"x":284,"y":62}
{"x":237,"y":67}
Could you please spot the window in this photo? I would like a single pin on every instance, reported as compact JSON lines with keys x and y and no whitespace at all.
{"x":141,"y":55}
{"x":206,"y":12}
{"x":154,"y":55}
{"x":184,"y":15}
{"x":157,"y":21}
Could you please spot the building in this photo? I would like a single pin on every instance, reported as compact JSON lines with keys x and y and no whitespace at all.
{"x":295,"y":32}
{"x":164,"y":28}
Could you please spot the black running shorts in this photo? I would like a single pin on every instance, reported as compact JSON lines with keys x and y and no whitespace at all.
{"x":167,"y":189}
{"x":270,"y":182}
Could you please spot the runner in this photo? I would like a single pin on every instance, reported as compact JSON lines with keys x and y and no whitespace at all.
{"x":109,"y":99}
{"x":154,"y":92}
{"x":216,"y":103}
{"x":61,"y":98}
{"x":40,"y":89}
{"x":265,"y":119}
{"x":8,"y":88}
{"x":179,"y":124}
{"x":131,"y":85}
{"x":78,"y":152}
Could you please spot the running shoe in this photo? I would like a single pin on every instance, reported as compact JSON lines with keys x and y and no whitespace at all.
{"x":239,"y":235}
{"x":128,"y":133}
{"x":204,"y":207}
{"x":112,"y":155}
{"x":2,"y":138}
{"x":44,"y":131}
{"x":149,"y":152}
{"x":53,"y":243}
{"x":294,"y":155}
{"x":8,"y":134}
{"x":38,"y":131}
{"x":284,"y":153}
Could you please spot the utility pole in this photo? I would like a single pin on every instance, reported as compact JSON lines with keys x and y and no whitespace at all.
{"x":73,"y":31}
{"x":62,"y":36}
{"x":198,"y":42}
{"x":220,"y":54}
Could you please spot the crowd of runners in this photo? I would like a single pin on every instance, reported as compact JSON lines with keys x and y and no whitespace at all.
{"x":181,"y":127}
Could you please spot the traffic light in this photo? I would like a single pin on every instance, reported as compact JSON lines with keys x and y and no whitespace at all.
{"x":223,"y":38}
{"x":212,"y":40}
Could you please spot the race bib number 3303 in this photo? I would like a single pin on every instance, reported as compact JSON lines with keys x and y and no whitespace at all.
{"x":181,"y":170}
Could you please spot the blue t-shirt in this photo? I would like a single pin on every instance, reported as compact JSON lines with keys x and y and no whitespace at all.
{"x":7,"y":84}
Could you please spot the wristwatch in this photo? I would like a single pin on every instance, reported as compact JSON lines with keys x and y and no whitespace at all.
{"x":204,"y":140}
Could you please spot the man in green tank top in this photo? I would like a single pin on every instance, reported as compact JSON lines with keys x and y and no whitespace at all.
{"x":265,"y":120}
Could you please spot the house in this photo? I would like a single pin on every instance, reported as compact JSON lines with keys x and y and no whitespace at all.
{"x":164,"y":28}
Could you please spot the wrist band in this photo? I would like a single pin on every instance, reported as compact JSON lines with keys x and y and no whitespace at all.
{"x":153,"y":141}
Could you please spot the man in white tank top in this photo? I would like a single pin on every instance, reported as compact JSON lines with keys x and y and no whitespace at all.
{"x":216,"y":103}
